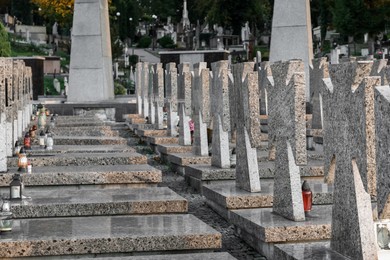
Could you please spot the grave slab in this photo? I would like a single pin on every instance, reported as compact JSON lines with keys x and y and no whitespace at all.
{"x":89,"y":140}
{"x":82,"y":176}
{"x":180,"y":160}
{"x":306,"y":251}
{"x":135,"y":127}
{"x":173,"y":148}
{"x":80,"y":124}
{"x":128,"y":116}
{"x":136,"y":120}
{"x":151,"y":132}
{"x":79,"y":159}
{"x":83,"y":132}
{"x":162,"y":140}
{"x":62,"y":202}
{"x":96,"y":235}
{"x":36,"y":150}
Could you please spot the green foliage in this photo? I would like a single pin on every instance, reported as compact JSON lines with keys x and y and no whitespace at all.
{"x":26,"y":49}
{"x":119,"y":89}
{"x":48,"y":85}
{"x":166,"y":42}
{"x":264,"y":52}
{"x":144,"y":42}
{"x":133,"y":59}
{"x":5,"y":47}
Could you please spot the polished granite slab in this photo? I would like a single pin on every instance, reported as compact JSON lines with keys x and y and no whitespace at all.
{"x":83,"y":159}
{"x":184,"y":159}
{"x":228,"y":196}
{"x":37,"y":150}
{"x":112,"y":234}
{"x":135,"y":174}
{"x":63,"y":202}
{"x":173,"y":148}
{"x":307,"y":251}
{"x":89,"y":140}
{"x":262,"y":224}
{"x":162,"y":140}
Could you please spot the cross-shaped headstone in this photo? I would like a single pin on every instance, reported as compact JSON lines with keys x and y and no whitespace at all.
{"x":382,"y":117}
{"x":184,"y":103}
{"x":287,"y":124}
{"x":150,"y":86}
{"x":200,"y":107}
{"x":138,"y":86}
{"x":219,"y":95}
{"x":246,"y":98}
{"x":264,"y":72}
{"x":171,"y":98}
{"x":346,"y":94}
{"x":158,"y":90}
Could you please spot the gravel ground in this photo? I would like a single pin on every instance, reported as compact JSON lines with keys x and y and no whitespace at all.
{"x":198,"y":207}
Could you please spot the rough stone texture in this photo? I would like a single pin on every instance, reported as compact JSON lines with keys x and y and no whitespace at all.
{"x":63,"y":202}
{"x":80,"y":175}
{"x":83,"y":132}
{"x":3,"y":136}
{"x":382,"y":112}
{"x":145,"y":89}
{"x":192,"y":256}
{"x":158,"y":90}
{"x":184,"y":103}
{"x":171,"y":98}
{"x":379,"y":69}
{"x":287,"y":108}
{"x":173,"y":148}
{"x":264,"y":73}
{"x":287,"y":193}
{"x":248,"y":126}
{"x":291,"y":22}
{"x":162,"y":140}
{"x":90,"y":235}
{"x":37,"y":150}
{"x":76,"y":159}
{"x":138,"y":87}
{"x":318,"y":71}
{"x":90,"y":76}
{"x":220,"y":115}
{"x":352,"y":222}
{"x":350,"y":126}
{"x":200,"y":108}
{"x":184,"y":159}
{"x":152,"y":132}
{"x":306,"y":251}
{"x":85,"y":140}
{"x":150,"y":87}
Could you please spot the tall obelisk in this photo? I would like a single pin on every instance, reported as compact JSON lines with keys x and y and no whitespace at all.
{"x":90,"y":76}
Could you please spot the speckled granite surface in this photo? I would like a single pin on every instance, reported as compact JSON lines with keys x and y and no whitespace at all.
{"x":89,"y":235}
{"x":162,"y":140}
{"x":80,"y":159}
{"x":80,"y":123}
{"x":89,"y":140}
{"x":136,"y":120}
{"x":306,"y":251}
{"x":63,"y":202}
{"x":36,"y":150}
{"x":93,"y":174}
{"x":269,"y":227}
{"x":173,"y":148}
{"x":229,"y":196}
{"x":184,"y":159}
{"x":83,"y":132}
{"x":151,"y":132}
{"x":209,"y":172}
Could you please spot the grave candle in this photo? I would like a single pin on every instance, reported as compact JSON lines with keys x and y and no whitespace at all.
{"x":307,"y":197}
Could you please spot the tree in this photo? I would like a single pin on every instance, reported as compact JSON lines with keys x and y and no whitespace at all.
{"x":5,"y":46}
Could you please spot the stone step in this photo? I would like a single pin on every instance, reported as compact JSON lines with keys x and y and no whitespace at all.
{"x":134,"y":127}
{"x":89,"y":140}
{"x":87,"y":132}
{"x":136,"y":120}
{"x":83,"y":177}
{"x":82,"y":159}
{"x":227,"y":196}
{"x":37,"y":150}
{"x":155,"y":140}
{"x":107,"y":234}
{"x":80,"y":124}
{"x":179,"y":161}
{"x":128,"y":116}
{"x":173,"y":148}
{"x":150,"y":132}
{"x":64,"y":202}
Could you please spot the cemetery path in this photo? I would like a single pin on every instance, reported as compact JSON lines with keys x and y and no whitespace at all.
{"x":198,"y":207}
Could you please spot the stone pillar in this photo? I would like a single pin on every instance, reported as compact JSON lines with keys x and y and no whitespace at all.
{"x":3,"y":125}
{"x":158,"y":90}
{"x":10,"y":105}
{"x":287,"y":123}
{"x":264,"y":74}
{"x":291,"y":22}
{"x":145,"y":89}
{"x":171,"y":98}
{"x":138,"y":87}
{"x":200,"y":108}
{"x":220,"y":114}
{"x":90,"y":75}
{"x":151,"y":94}
{"x":246,"y":98}
{"x":184,"y":103}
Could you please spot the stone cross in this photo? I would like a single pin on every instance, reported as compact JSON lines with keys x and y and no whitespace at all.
{"x":171,"y":98}
{"x":90,"y":74}
{"x":349,"y":122}
{"x":286,"y":121}
{"x":3,"y":126}
{"x":200,"y":107}
{"x":219,"y":95}
{"x":264,"y":72}
{"x":382,"y":117}
{"x":138,"y":86}
{"x":158,"y":91}
{"x":145,"y":89}
{"x":184,"y":103}
{"x":318,"y":71}
{"x":246,"y":92}
{"x":379,"y":69}
{"x":150,"y":97}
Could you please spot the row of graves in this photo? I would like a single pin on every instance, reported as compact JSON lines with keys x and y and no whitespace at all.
{"x":89,"y":193}
{"x":304,"y":186}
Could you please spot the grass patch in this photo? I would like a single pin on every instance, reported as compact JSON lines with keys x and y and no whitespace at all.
{"x":49,"y":85}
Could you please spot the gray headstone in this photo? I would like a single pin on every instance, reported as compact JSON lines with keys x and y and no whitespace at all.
{"x":287,"y":112}
{"x":151,"y":109}
{"x":264,"y":73}
{"x":382,"y":117}
{"x":379,"y":69}
{"x":158,"y":90}
{"x":220,"y":114}
{"x":138,"y":86}
{"x":349,"y":123}
{"x":200,"y":107}
{"x":318,"y":71}
{"x":248,"y":126}
{"x":184,"y":103}
{"x":171,"y":98}
{"x":291,"y":22}
{"x":57,"y":85}
{"x":90,"y":75}
{"x":145,"y":89}
{"x":3,"y":116}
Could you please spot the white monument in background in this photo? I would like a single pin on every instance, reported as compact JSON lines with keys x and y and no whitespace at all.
{"x":291,"y":36}
{"x":90,"y":75}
